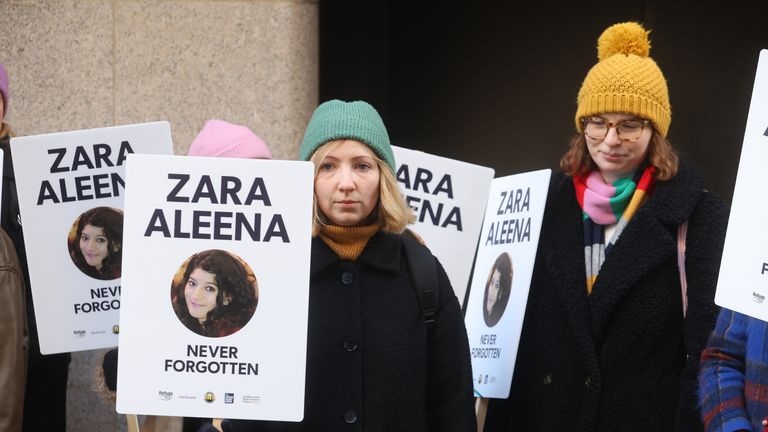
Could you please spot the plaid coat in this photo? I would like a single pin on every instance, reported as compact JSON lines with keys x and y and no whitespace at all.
{"x":734,"y":374}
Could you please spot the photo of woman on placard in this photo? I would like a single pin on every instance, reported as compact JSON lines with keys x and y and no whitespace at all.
{"x":214,"y":293}
{"x":96,"y":242}
{"x":497,"y":289}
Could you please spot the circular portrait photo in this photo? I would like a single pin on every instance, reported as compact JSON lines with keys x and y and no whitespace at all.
{"x":497,"y":289}
{"x":95,"y":242}
{"x":214,"y":293}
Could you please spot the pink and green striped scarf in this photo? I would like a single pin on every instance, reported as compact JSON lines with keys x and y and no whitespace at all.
{"x":603,"y":204}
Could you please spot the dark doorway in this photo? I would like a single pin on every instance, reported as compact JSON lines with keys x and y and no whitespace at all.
{"x":496,"y":85}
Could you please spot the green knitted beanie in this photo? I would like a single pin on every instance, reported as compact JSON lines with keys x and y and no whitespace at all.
{"x":356,"y":120}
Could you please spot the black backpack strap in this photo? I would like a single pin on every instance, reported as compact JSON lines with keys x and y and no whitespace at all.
{"x":423,"y":272}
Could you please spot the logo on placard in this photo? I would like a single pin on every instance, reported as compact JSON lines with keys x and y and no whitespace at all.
{"x":209,"y":397}
{"x":79,"y":333}
{"x":116,"y":329}
{"x":165,"y":395}
{"x":229,"y":398}
{"x":757,"y":297}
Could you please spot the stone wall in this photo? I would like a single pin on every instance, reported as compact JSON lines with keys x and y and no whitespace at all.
{"x":76,"y":64}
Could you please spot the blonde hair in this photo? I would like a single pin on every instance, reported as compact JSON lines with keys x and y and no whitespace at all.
{"x":392,"y":212}
{"x":661,"y":155}
{"x":6,"y":130}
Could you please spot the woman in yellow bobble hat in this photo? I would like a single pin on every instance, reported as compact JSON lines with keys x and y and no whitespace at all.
{"x":611,"y":340}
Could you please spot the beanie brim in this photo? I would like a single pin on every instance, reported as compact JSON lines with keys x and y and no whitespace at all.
{"x":600,"y":103}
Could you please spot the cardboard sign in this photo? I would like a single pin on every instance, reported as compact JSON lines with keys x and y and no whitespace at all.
{"x":502,"y":278}
{"x":71,"y":189}
{"x":743,"y":282}
{"x":215,"y":287}
{"x":448,"y":198}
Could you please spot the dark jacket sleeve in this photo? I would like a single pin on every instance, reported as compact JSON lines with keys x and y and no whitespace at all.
{"x":704,"y":248}
{"x":450,"y":401}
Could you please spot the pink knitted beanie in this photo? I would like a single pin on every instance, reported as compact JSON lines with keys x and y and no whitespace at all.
{"x":222,"y":139}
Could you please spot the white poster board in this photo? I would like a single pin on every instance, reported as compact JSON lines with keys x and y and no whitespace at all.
{"x":71,"y":187}
{"x":502,"y":278}
{"x":239,"y":352}
{"x":743,"y":282}
{"x":448,"y":197}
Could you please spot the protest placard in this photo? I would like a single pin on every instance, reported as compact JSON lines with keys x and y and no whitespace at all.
{"x":743,"y":281}
{"x":215,"y":287}
{"x":449,"y":198}
{"x":70,"y":188}
{"x":502,"y":277}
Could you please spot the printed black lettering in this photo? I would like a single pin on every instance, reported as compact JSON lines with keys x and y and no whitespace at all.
{"x":125,"y":150}
{"x":403,"y":176}
{"x":81,"y":159}
{"x":157,"y":223}
{"x":173,"y":196}
{"x":230,"y":186}
{"x":501,"y":203}
{"x":101,"y":154}
{"x":258,"y":192}
{"x":205,"y":190}
{"x":56,"y":165}
{"x":445,"y":186}
{"x":423,"y":177}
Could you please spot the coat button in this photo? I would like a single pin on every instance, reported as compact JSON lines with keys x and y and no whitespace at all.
{"x":350,"y":345}
{"x":548,"y":379}
{"x":587,"y":381}
{"x":350,"y":416}
{"x":347,"y":278}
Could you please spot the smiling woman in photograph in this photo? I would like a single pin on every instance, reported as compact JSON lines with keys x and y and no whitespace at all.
{"x":497,"y":289}
{"x":216,"y":294}
{"x":96,"y":246}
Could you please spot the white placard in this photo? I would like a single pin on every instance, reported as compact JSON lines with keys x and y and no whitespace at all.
{"x":503,"y":270}
{"x":185,"y":354}
{"x":743,"y":282}
{"x":448,"y":197}
{"x":71,"y":187}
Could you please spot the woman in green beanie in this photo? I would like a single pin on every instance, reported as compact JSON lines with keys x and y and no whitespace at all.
{"x":373,"y":362}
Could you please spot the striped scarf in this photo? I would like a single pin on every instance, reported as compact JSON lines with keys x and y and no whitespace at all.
{"x":603,"y":204}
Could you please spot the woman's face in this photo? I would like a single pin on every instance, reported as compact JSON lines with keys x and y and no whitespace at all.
{"x":200,"y":293}
{"x":94,"y":245}
{"x":493,"y":290}
{"x":347,"y":184}
{"x":615,"y":157}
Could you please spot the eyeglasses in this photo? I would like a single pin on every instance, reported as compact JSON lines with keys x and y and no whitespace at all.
{"x":629,"y":130}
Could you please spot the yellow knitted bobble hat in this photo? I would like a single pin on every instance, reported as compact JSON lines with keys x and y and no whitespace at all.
{"x":625,"y":79}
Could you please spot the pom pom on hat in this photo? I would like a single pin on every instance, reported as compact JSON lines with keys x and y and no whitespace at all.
{"x":625,"y":38}
{"x":358,"y":120}
{"x":625,"y":79}
{"x":4,"y":90}
{"x":223,"y":139}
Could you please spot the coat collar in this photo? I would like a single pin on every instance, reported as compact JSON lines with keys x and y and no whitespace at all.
{"x":646,"y":241}
{"x":382,"y":251}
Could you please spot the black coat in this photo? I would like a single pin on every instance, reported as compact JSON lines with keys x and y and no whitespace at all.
{"x":372,"y":365}
{"x":622,"y":359}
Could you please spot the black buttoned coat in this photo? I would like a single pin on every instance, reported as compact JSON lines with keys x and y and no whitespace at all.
{"x":622,"y":359}
{"x":372,"y":365}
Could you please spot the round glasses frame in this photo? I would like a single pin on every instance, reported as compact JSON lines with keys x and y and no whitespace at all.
{"x":621,"y":126}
